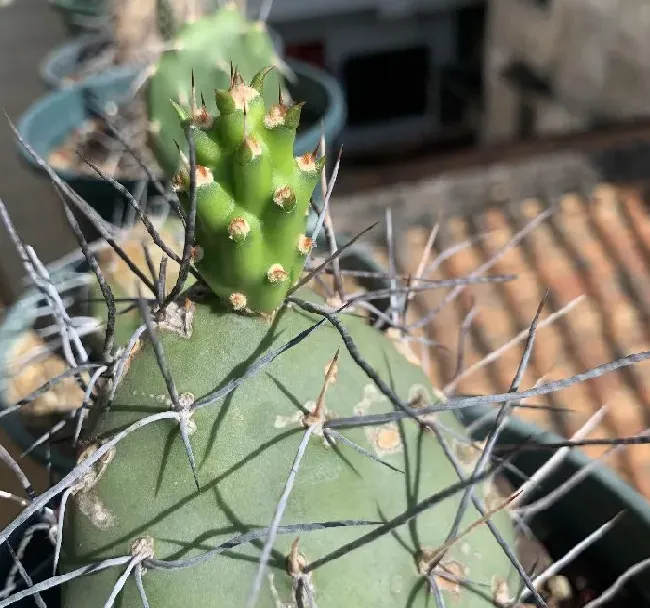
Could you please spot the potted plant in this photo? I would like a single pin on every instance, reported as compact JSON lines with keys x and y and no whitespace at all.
{"x":254,"y":443}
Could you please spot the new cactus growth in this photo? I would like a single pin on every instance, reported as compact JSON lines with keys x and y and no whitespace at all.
{"x":205,"y":47}
{"x":171,"y":494}
{"x":252,"y":195}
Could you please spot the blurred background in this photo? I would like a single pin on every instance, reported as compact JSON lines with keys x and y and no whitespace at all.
{"x":479,"y":114}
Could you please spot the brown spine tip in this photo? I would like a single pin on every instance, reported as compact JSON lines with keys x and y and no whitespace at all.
{"x":242,"y":95}
{"x":203,"y":175}
{"x":181,"y":181}
{"x":237,"y":301}
{"x":197,"y":253}
{"x":277,"y":274}
{"x":249,"y":150}
{"x":296,"y":562}
{"x":202,"y":118}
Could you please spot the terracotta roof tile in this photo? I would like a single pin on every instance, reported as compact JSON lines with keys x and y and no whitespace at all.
{"x":598,"y":247}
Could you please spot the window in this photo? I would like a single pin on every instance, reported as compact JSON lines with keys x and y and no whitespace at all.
{"x":386,"y":85}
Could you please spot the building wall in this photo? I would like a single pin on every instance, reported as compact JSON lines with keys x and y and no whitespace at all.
{"x":595,"y":54}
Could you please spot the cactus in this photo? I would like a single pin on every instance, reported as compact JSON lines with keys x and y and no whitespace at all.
{"x":268,"y":452}
{"x":207,"y":47}
{"x":250,"y":201}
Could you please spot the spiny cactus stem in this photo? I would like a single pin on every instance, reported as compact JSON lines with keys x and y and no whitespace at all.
{"x":261,"y":363}
{"x":249,"y":537}
{"x":79,"y":471}
{"x":356,"y":355}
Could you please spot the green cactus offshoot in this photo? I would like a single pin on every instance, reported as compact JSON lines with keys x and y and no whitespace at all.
{"x":252,"y":194}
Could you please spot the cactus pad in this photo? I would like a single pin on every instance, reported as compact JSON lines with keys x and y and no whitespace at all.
{"x":244,"y":448}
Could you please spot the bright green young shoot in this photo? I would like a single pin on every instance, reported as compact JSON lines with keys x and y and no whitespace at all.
{"x":252,"y":195}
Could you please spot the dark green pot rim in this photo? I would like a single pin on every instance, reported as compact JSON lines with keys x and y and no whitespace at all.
{"x":589,"y":505}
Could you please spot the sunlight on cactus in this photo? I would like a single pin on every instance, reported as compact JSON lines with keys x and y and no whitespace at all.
{"x":250,"y":439}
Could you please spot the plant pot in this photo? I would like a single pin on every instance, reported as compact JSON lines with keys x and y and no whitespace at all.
{"x":589,"y":505}
{"x":81,"y":15}
{"x":61,"y":65}
{"x":47,"y":123}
